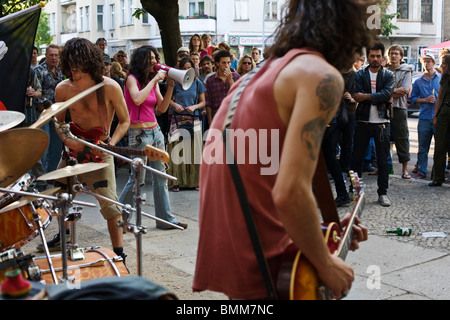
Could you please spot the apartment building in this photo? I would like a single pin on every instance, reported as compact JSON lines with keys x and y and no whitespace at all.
{"x":242,"y":23}
{"x":420,"y":24}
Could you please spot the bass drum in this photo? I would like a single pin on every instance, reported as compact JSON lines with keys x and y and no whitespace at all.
{"x":98,"y":263}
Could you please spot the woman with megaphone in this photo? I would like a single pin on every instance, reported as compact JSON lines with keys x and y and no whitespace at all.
{"x":143,"y":96}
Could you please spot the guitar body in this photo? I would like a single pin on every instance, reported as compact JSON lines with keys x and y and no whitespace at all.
{"x":297,"y":278}
{"x":94,"y":134}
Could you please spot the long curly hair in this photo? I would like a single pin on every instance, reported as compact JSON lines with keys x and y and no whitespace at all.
{"x":140,"y":64}
{"x":85,"y":55}
{"x":335,"y":28}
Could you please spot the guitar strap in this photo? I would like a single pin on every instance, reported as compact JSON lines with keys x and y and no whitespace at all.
{"x":102,"y":111}
{"x":321,"y":185}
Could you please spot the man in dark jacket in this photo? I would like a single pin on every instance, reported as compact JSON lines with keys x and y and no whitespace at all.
{"x":374,"y":89}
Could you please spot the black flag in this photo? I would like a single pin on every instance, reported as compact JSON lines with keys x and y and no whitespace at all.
{"x":17,"y":34}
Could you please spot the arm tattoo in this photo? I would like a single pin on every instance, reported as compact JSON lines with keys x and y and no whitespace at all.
{"x":329,"y":92}
{"x":312,"y":134}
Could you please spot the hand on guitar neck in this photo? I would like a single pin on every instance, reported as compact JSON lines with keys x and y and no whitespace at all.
{"x":298,"y":279}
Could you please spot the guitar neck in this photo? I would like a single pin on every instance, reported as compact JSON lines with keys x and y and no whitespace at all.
{"x":124,"y":150}
{"x":347,"y":237}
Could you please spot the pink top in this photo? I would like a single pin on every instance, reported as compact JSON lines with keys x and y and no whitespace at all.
{"x":226,"y":261}
{"x":146,"y":111}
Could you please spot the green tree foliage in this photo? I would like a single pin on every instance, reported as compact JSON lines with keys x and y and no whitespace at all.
{"x":43,"y":32}
{"x":11,"y":6}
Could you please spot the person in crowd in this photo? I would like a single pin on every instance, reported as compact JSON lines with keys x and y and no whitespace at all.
{"x":122,"y":57}
{"x":218,"y":84}
{"x":185,"y":136}
{"x":195,"y":57}
{"x":282,"y":203}
{"x":346,"y":129}
{"x":49,"y":75}
{"x":245,"y":65}
{"x":206,"y":68}
{"x":207,"y":47}
{"x":101,"y":43}
{"x":374,"y":86}
{"x":256,"y":55}
{"x":399,"y":118}
{"x":424,"y":92}
{"x":118,"y":74}
{"x":441,"y":121}
{"x":360,"y":61}
{"x":225,"y":46}
{"x":142,"y":94}
{"x":83,"y":65}
{"x":195,"y":44}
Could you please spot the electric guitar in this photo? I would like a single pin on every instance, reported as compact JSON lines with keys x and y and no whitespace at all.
{"x":297,"y":278}
{"x":151,"y":152}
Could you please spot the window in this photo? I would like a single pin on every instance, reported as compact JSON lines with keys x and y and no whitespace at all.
{"x":427,"y":11}
{"x":122,"y":12}
{"x":88,"y":27}
{"x":145,"y":18}
{"x":112,"y":16}
{"x":100,"y":18}
{"x":53,"y":24}
{"x":130,"y":12}
{"x":271,"y":10}
{"x":403,"y":9}
{"x":81,"y":19}
{"x":196,"y":7}
{"x":241,"y":9}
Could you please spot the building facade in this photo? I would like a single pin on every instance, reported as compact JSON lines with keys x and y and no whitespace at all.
{"x":420,"y":24}
{"x":242,"y":23}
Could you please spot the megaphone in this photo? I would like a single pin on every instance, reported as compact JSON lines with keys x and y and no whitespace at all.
{"x":184,"y":77}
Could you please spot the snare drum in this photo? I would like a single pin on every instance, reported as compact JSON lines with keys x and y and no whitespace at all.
{"x":98,"y":263}
{"x":18,"y":226}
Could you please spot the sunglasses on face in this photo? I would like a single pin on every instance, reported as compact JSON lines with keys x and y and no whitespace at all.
{"x":121,"y":56}
{"x":246,"y":63}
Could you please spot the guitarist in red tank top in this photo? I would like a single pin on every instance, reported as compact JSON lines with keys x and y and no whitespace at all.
{"x":82,"y":64}
{"x":295,"y":94}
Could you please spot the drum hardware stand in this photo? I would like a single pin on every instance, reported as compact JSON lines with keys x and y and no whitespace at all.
{"x":38,"y":219}
{"x":137,"y":165}
{"x":76,"y":253}
{"x":62,"y":202}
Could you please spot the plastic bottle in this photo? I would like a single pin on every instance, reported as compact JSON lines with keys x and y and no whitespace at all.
{"x":401,"y":231}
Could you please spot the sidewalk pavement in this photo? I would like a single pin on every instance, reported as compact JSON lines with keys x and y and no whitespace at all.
{"x":387,"y":267}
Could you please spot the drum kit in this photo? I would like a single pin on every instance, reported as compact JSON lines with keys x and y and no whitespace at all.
{"x":25,"y":212}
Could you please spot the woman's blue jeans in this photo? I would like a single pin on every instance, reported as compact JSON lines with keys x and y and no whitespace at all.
{"x":139,"y":138}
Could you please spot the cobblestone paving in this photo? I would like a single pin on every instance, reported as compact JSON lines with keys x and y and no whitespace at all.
{"x":414,"y":205}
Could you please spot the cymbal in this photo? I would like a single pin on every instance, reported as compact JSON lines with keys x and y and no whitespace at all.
{"x":20,"y":149}
{"x":58,"y":107}
{"x":26,"y":200}
{"x":70,"y":171}
{"x":10,"y":119}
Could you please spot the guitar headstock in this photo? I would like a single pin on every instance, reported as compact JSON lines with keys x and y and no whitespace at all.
{"x":153,"y":154}
{"x":356,"y":184}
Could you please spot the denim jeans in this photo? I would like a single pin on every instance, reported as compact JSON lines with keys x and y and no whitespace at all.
{"x":153,"y":137}
{"x":381,"y":134}
{"x":426,"y":131}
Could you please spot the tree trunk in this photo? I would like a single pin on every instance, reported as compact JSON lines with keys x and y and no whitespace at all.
{"x":166,"y":13}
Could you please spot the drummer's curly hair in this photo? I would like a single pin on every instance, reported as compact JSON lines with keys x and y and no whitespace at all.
{"x":335,"y":28}
{"x":84,"y":54}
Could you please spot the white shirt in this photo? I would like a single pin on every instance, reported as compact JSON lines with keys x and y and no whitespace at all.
{"x":373,"y":116}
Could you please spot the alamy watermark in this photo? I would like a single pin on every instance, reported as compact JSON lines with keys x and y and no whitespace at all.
{"x":250,"y":146}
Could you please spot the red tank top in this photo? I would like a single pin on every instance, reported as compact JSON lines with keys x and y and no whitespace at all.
{"x":226,"y":261}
